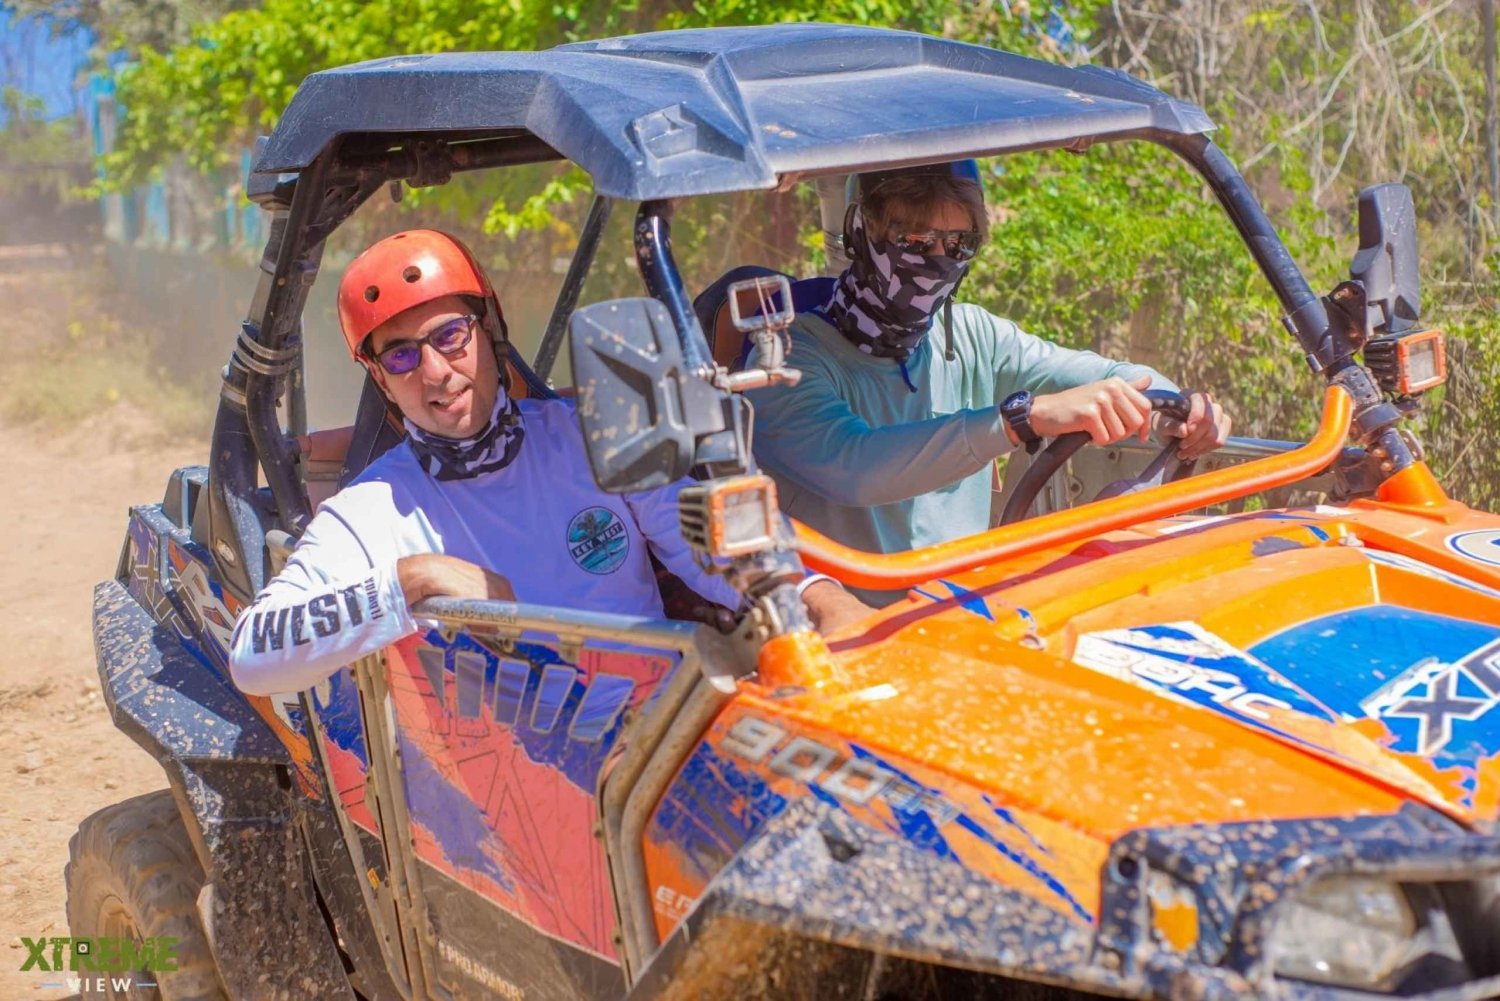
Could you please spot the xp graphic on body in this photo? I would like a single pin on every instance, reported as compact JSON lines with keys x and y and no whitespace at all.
{"x":488,"y":496}
{"x":888,"y":442}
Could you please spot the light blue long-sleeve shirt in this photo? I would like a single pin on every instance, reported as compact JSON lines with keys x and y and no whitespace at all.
{"x":859,"y":456}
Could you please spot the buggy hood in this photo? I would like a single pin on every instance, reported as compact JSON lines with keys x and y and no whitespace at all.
{"x":1305,"y":664}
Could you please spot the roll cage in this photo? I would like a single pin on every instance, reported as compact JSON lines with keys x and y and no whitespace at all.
{"x":658,"y":117}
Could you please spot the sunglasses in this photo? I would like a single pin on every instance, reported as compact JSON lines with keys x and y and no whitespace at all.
{"x":959,"y":244}
{"x":450,"y":338}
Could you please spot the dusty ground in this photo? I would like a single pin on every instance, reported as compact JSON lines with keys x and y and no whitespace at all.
{"x":64,"y":502}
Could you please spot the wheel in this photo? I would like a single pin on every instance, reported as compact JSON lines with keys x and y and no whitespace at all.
{"x":132,"y":874}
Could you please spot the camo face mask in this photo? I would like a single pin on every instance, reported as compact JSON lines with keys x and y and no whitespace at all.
{"x":885,"y":300}
{"x":493,"y":448}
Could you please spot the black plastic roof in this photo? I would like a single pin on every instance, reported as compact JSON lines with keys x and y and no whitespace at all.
{"x":682,"y":113}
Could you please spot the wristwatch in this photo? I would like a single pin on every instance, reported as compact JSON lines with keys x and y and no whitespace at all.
{"x":1017,"y":413}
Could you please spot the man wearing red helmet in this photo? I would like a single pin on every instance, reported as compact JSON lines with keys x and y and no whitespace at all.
{"x":488,"y":497}
{"x":906,"y":399}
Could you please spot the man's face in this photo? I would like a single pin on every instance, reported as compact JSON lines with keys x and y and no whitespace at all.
{"x":448,"y":395}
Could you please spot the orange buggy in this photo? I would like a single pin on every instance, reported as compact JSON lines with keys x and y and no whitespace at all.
{"x":1117,"y":749}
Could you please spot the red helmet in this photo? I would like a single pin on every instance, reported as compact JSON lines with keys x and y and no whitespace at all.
{"x":403,"y":271}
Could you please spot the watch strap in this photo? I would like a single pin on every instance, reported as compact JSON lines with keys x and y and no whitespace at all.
{"x":1017,"y":413}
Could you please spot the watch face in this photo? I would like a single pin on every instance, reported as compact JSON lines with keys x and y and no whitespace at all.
{"x":1015,"y":402}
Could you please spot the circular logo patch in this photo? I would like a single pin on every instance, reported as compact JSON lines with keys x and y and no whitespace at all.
{"x":597,"y":540}
{"x":1482,"y":546}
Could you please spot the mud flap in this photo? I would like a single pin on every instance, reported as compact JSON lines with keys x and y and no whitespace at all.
{"x":229,"y":775}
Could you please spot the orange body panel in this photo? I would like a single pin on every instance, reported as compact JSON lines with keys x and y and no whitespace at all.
{"x":994,"y":688}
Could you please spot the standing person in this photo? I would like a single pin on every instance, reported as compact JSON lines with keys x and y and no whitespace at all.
{"x":907,"y":399}
{"x":488,"y":496}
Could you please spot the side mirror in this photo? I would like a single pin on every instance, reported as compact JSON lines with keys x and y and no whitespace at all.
{"x":641,"y":410}
{"x":1386,"y":264}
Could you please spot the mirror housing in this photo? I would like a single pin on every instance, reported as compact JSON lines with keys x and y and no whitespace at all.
{"x":1386,"y":263}
{"x":641,"y":410}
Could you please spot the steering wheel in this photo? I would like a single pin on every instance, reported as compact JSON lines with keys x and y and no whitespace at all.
{"x":1065,"y":446}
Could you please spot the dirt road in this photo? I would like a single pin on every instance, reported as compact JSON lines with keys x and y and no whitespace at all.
{"x":65,"y":499}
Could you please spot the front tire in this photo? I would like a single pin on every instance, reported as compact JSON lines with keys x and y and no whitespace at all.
{"x":132,"y":873}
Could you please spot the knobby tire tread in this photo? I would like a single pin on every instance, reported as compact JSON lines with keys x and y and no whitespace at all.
{"x":138,"y":851}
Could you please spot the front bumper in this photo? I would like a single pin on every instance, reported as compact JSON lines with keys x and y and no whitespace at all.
{"x":817,"y":904}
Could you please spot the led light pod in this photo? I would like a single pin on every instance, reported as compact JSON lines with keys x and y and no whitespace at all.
{"x":730,"y":517}
{"x":1408,"y":364}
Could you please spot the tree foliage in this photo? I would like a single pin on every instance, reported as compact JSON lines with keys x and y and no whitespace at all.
{"x":40,"y":158}
{"x":1120,"y":249}
{"x":1323,"y":99}
{"x":128,"y":26}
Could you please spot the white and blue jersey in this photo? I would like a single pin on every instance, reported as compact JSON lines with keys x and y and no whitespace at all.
{"x":540,"y":521}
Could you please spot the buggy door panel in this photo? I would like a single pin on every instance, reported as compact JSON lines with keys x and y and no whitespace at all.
{"x":500,"y":741}
{"x":341,"y":732}
{"x":336,"y":711}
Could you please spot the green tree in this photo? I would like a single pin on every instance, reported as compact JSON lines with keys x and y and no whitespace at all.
{"x":1120,"y":249}
{"x":41,"y":159}
{"x":1320,"y":100}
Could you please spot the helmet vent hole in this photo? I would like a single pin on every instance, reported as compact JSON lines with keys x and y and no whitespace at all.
{"x":372,"y":293}
{"x":412,"y":273}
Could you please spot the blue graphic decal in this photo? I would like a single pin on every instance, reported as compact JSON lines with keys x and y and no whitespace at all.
{"x":154,"y":583}
{"x":967,"y":600}
{"x":1221,"y":676}
{"x":602,"y":703}
{"x":1433,"y":680}
{"x":339,"y":714}
{"x":1482,"y":546}
{"x":826,"y":798}
{"x":509,"y":690}
{"x":717,"y":804}
{"x":536,"y":694}
{"x":1340,"y":659}
{"x":712,"y":809}
{"x":457,"y":823}
{"x":295,"y":718}
{"x":1010,"y":821}
{"x":469,"y":672}
{"x":598,"y":540}
{"x":1047,"y":879}
{"x":553,"y":690}
{"x":143,"y":564}
{"x":917,"y":826}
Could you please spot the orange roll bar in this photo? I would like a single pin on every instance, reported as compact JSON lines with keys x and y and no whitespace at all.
{"x":889,"y":571}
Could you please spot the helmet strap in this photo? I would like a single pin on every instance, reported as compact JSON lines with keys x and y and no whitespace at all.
{"x":499,"y":334}
{"x":948,"y":352}
{"x":848,"y":234}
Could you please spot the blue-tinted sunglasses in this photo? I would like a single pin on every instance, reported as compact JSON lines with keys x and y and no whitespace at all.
{"x":400,"y":357}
